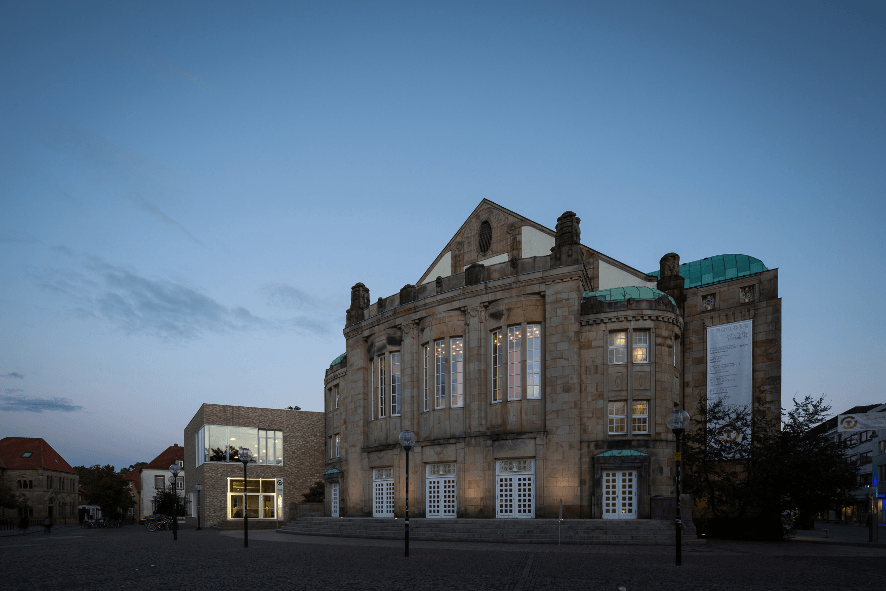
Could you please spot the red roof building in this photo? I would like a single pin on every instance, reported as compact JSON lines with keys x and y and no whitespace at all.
{"x":42,"y":479}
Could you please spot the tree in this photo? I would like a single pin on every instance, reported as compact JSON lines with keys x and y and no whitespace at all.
{"x":165,"y":501}
{"x":135,"y":466}
{"x":106,"y":488}
{"x":745,"y":483}
{"x":315,"y":494}
{"x":8,"y":498}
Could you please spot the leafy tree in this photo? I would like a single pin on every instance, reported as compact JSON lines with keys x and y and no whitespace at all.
{"x":317,"y":493}
{"x":105,"y":488}
{"x":135,"y":466}
{"x":8,"y":498}
{"x":789,"y":466}
{"x":165,"y":501}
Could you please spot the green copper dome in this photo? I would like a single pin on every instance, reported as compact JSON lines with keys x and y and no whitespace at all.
{"x":723,"y":267}
{"x":620,"y":294}
{"x":338,"y":359}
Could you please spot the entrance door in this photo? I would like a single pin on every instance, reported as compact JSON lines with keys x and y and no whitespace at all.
{"x":333,"y":489}
{"x":441,"y":487}
{"x":383,"y":492}
{"x":619,"y":494}
{"x":515,"y":484}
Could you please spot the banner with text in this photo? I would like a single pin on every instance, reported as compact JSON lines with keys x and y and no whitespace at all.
{"x":731,"y":371}
{"x":854,"y":423}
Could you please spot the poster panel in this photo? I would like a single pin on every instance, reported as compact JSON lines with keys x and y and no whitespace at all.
{"x":731,"y":370}
{"x":855,"y":423}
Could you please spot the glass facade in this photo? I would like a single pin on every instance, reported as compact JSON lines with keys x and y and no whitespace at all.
{"x":221,"y":443}
{"x":260,"y":498}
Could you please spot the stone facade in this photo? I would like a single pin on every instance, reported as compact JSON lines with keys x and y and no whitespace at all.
{"x":560,"y":438}
{"x":302,"y":457}
{"x":35,"y":472}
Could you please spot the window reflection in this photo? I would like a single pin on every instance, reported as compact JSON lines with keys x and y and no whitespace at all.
{"x":222,"y":443}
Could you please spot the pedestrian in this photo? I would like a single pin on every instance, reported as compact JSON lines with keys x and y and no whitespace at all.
{"x":47,"y":526}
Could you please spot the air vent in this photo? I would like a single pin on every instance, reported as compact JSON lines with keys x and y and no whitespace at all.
{"x":485,"y":236}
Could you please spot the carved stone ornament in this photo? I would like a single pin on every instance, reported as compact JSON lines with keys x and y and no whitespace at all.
{"x":515,"y":466}
{"x":746,"y":294}
{"x":441,"y":469}
{"x":709,"y":301}
{"x":383,"y":474}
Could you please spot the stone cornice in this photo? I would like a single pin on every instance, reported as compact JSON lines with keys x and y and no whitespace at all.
{"x":335,"y":375}
{"x":627,"y":316}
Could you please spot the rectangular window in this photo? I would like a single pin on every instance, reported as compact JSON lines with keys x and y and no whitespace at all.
{"x":641,"y":346}
{"x":331,"y":447}
{"x":640,"y":416}
{"x":456,"y":366}
{"x":335,"y":394}
{"x":533,"y":361}
{"x":496,"y":365}
{"x":259,"y":495}
{"x":381,"y":387}
{"x":270,"y":447}
{"x":617,"y":417}
{"x":864,"y":458}
{"x":337,"y":445}
{"x":395,"y":384}
{"x":372,"y":391}
{"x":221,"y":443}
{"x":425,"y":353}
{"x":618,"y":340}
{"x":159,"y":482}
{"x":439,"y":374}
{"x":515,"y":345}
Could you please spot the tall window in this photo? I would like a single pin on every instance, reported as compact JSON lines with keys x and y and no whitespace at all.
{"x":395,"y":384}
{"x":372,"y":391}
{"x":335,"y":394}
{"x":337,"y":444}
{"x":425,"y":353}
{"x":640,"y":416}
{"x":440,"y":373}
{"x":641,"y":346}
{"x":533,"y":361}
{"x":270,"y":447}
{"x":457,"y":367}
{"x":617,"y":417}
{"x":381,"y":387}
{"x":496,"y":365}
{"x":618,"y":340}
{"x":515,"y":344}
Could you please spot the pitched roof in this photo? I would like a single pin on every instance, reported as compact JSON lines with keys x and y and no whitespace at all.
{"x":39,"y":455}
{"x":164,"y":460}
{"x":717,"y":269}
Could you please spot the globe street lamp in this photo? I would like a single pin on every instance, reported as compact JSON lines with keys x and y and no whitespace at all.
{"x":407,"y":440}
{"x":175,"y":469}
{"x":678,"y":420}
{"x":245,"y":456}
{"x":197,"y":488}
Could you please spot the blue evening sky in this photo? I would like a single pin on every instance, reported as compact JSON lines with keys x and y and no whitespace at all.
{"x":188,"y":190}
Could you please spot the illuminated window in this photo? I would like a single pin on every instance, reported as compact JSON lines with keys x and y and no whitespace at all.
{"x":335,"y":394}
{"x":641,"y":346}
{"x":496,"y":365}
{"x":533,"y":361}
{"x":456,"y":368}
{"x":426,"y":352}
{"x":617,"y":417}
{"x":259,"y":496}
{"x":381,"y":387}
{"x":618,"y":340}
{"x":395,"y":384}
{"x":337,"y":444}
{"x":515,"y":344}
{"x":440,"y":374}
{"x":640,"y":416}
{"x":270,"y":447}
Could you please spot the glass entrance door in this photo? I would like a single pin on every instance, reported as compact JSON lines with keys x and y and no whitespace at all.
{"x":334,"y":499}
{"x":619,"y":498}
{"x":441,"y":490}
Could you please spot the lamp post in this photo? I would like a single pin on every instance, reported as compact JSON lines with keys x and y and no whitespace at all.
{"x":407,"y":440}
{"x":678,"y":420}
{"x":175,"y":469}
{"x":245,"y":456}
{"x":197,"y":488}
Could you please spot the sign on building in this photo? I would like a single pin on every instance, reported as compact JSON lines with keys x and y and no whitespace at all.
{"x":864,"y":421}
{"x":731,"y":371}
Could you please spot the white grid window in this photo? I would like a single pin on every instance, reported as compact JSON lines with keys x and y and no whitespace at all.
{"x":515,"y":344}
{"x":618,"y":494}
{"x":457,"y":368}
{"x":381,"y":387}
{"x":383,"y":495}
{"x":533,"y":361}
{"x":617,"y":417}
{"x":441,"y":494}
{"x":395,"y":384}
{"x":440,"y":373}
{"x":333,"y":503}
{"x":515,"y":494}
{"x":618,"y":341}
{"x":640,"y":416}
{"x":426,"y":352}
{"x":641,"y":346}
{"x":496,"y":365}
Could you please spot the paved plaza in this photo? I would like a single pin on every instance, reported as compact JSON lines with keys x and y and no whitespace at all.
{"x":132,"y":558}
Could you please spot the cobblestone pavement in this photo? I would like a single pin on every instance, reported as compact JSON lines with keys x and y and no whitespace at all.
{"x":133,"y":558}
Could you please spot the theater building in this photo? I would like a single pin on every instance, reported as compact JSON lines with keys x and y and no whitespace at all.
{"x":535,"y":370}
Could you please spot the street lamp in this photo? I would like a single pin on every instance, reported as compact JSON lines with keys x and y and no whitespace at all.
{"x":197,"y":488}
{"x":678,"y":420}
{"x":175,"y":469}
{"x":407,"y":440}
{"x":245,"y":456}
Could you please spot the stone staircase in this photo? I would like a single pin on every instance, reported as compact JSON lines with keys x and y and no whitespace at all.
{"x":514,"y":531}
